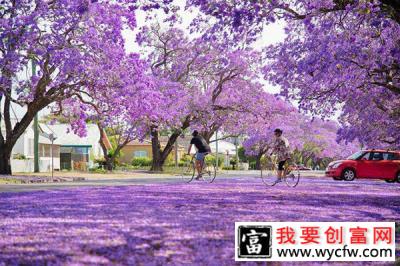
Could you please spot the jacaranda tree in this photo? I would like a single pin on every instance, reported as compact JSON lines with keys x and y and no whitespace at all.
{"x":199,"y":80}
{"x":337,"y":55}
{"x":62,"y":38}
{"x":312,"y":140}
{"x":122,"y":98}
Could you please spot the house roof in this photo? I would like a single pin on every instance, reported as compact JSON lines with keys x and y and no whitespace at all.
{"x":223,"y":147}
{"x":147,"y":142}
{"x":63,"y":137}
{"x":137,"y":142}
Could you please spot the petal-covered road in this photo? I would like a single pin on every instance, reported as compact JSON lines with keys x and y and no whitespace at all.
{"x":173,"y":223}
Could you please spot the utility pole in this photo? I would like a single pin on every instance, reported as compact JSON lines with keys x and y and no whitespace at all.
{"x":52,"y":138}
{"x":176,"y":153}
{"x":236,"y":149}
{"x":216,"y":149}
{"x":35,"y":130}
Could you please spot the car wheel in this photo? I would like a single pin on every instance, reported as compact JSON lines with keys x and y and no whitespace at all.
{"x":348,"y":175}
{"x":390,"y":180}
{"x":398,"y":177}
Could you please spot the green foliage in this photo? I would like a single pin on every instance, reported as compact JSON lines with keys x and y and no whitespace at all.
{"x":97,"y":170}
{"x":101,"y":161}
{"x":19,"y":156}
{"x":211,"y":158}
{"x":186,"y":158}
{"x":242,"y":155}
{"x":182,"y":163}
{"x":141,"y":161}
{"x":246,"y":158}
{"x":170,"y":161}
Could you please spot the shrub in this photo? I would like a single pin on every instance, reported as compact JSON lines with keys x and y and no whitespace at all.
{"x":19,"y":156}
{"x":141,"y":161}
{"x":182,"y":163}
{"x":98,"y":170}
{"x":211,"y":158}
{"x":100,"y":161}
{"x":170,"y":160}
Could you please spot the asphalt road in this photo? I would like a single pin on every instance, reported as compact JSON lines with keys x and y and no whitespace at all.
{"x":163,"y":221}
{"x":136,"y":179}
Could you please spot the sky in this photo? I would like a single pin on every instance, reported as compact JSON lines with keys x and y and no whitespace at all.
{"x":271,"y":34}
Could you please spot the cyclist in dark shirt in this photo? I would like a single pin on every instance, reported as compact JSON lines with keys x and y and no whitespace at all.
{"x":202,"y":150}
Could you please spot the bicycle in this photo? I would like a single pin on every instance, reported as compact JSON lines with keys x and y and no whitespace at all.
{"x":208,"y":173}
{"x":291,"y":172}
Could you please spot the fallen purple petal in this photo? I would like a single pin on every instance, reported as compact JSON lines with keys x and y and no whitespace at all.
{"x":172,"y":223}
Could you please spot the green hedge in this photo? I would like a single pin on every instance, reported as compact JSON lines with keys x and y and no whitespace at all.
{"x":211,"y":158}
{"x":141,"y":161}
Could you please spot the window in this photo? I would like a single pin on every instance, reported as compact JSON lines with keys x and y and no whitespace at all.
{"x":78,"y":154}
{"x":139,"y":154}
{"x":391,"y":156}
{"x":30,"y":147}
{"x":377,"y":156}
{"x":366,"y":156}
{"x":356,"y":155}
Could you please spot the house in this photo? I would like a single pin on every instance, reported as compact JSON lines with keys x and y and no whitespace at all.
{"x":76,"y":152}
{"x":225,"y":148}
{"x":68,"y":151}
{"x":137,"y":149}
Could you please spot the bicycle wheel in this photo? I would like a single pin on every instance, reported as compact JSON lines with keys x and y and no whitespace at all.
{"x":268,"y":176}
{"x":209,"y":172}
{"x":188,"y":172}
{"x":293,"y":178}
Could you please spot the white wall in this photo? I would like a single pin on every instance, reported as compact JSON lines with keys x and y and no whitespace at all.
{"x":19,"y":146}
{"x":21,"y":166}
{"x":25,"y":166}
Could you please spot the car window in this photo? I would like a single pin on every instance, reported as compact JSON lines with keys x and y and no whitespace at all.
{"x":355,"y":156}
{"x":377,"y":156}
{"x":388,"y":156}
{"x":391,"y":156}
{"x":365,"y":156}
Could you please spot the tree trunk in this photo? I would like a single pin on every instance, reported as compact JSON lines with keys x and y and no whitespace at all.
{"x":258,"y":161}
{"x":110,"y":159}
{"x":5,"y":160}
{"x":157,"y":166}
{"x":160,"y":155}
{"x":109,"y":163}
{"x":157,"y":162}
{"x":207,"y":135}
{"x":14,"y":132}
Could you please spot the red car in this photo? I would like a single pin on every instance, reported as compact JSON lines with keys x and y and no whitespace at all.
{"x":302,"y":168}
{"x":380,"y":164}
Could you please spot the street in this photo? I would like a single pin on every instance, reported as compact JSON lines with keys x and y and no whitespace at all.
{"x":164,"y":221}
